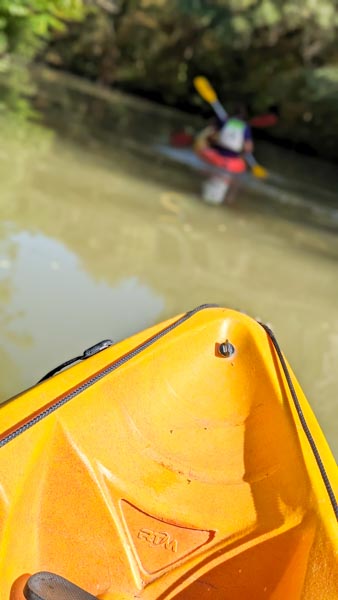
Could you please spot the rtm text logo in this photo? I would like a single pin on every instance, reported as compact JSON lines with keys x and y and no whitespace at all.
{"x":158,"y":538}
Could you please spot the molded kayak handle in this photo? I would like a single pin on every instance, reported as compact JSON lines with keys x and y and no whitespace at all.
{"x":48,"y":586}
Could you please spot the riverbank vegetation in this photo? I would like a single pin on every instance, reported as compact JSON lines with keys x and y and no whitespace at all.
{"x":25,"y":30}
{"x":280,"y":53}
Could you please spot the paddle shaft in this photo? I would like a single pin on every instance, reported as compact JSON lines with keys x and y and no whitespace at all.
{"x":250,"y":159}
{"x":219,"y":110}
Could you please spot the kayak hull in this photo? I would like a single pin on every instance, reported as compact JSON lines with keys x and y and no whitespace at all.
{"x":171,"y":465}
{"x":234,"y":165}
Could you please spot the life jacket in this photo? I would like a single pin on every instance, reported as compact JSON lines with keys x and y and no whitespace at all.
{"x":232,"y":135}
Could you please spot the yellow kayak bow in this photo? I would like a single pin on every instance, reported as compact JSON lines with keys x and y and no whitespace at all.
{"x":183,"y":462}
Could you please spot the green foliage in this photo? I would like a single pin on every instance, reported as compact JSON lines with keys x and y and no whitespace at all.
{"x":265,"y":52}
{"x":26,"y":25}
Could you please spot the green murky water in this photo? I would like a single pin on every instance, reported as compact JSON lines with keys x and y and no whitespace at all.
{"x":96,"y":242}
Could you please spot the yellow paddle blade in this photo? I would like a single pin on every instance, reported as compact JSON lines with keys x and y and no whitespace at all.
{"x":259,"y":172}
{"x":205,"y":89}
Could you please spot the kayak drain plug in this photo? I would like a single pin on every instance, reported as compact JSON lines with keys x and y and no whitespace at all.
{"x":226,"y":349}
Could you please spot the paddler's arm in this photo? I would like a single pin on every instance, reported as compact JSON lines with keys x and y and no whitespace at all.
{"x":248,"y":146}
{"x":249,"y":158}
{"x":202,"y":138}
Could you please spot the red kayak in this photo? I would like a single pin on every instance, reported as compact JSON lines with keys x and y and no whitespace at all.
{"x":233,"y":164}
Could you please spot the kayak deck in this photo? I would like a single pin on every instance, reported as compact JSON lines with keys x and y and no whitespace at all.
{"x":171,"y":465}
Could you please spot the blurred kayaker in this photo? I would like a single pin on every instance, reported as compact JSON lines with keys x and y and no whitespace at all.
{"x":226,"y":142}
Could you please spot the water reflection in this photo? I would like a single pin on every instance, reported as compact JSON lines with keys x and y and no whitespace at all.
{"x":51,"y":307}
